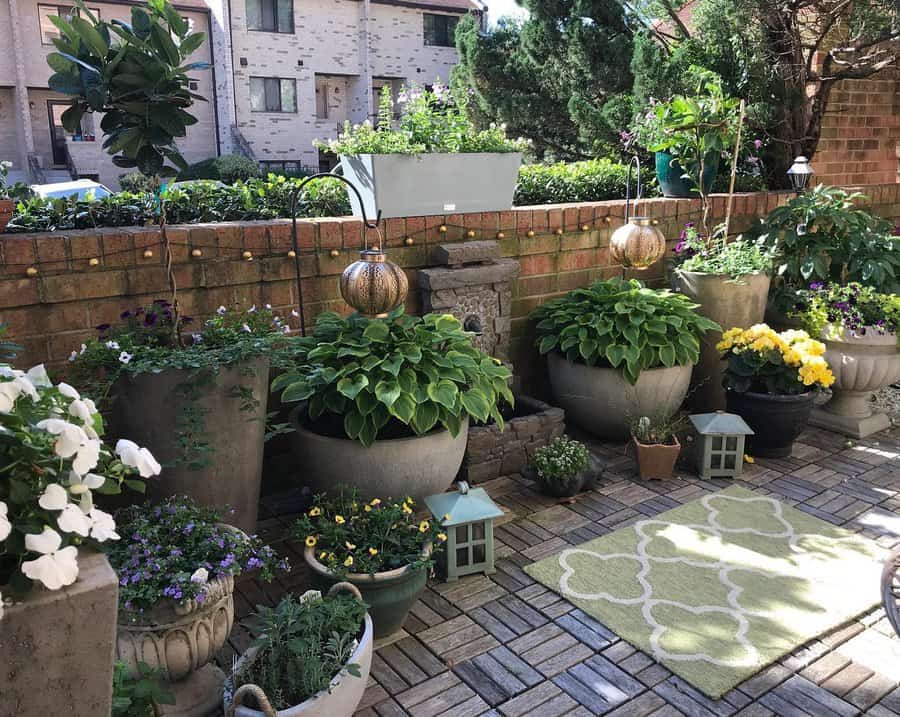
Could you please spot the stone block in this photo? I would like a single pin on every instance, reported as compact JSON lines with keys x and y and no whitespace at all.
{"x":472,"y":252}
{"x":57,"y":649}
{"x":437,"y":278}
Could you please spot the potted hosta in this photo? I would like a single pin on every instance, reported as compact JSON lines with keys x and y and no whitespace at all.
{"x":729,"y":280}
{"x":617,"y":349}
{"x":312,"y":658}
{"x":378,"y":545}
{"x":656,"y":444}
{"x":563,"y":468}
{"x":197,"y":400}
{"x":176,"y":566}
{"x":859,"y":327}
{"x":58,"y":601}
{"x":7,"y":205}
{"x":435,"y":161}
{"x":771,"y":381}
{"x":386,"y":402}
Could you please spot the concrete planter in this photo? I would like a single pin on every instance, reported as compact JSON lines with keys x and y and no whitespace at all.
{"x":407,"y":185}
{"x":730,"y":303}
{"x":57,"y":648}
{"x":602,"y":402}
{"x":182,"y":639}
{"x":491,"y":453}
{"x":149,"y":407}
{"x":861,"y":365}
{"x":393,"y":468}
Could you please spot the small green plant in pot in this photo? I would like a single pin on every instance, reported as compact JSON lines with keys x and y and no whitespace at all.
{"x":563,"y":468}
{"x":655,"y":440}
{"x":618,"y":348}
{"x":376,"y":389}
{"x":379,"y":545}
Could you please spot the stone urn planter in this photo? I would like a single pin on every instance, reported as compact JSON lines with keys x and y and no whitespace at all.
{"x":656,"y":460}
{"x":861,"y":364}
{"x":776,"y":420}
{"x":411,"y":185}
{"x":7,"y":207}
{"x":389,"y":595}
{"x":57,"y":647}
{"x":182,"y":639}
{"x":603,"y":403}
{"x":730,"y":303}
{"x":414,"y":466}
{"x":149,"y":406}
{"x":340,"y":699}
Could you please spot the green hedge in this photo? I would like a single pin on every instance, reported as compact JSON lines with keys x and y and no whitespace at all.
{"x":593,"y":180}
{"x":228,"y":168}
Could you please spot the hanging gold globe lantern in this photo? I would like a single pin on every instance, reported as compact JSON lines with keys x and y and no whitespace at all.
{"x":637,"y":244}
{"x":373,"y":285}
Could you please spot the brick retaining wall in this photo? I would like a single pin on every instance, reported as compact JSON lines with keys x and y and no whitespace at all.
{"x":54,"y":287}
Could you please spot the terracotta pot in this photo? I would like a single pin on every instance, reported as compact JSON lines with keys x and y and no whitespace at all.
{"x":775,"y":420}
{"x":656,"y":460}
{"x":7,"y":207}
{"x":861,"y":364}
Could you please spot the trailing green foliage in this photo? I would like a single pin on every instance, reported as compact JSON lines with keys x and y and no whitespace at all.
{"x":624,"y":325}
{"x":589,"y":181}
{"x":735,"y":258}
{"x":138,"y":696}
{"x":377,"y":373}
{"x":229,"y":168}
{"x":304,"y":643}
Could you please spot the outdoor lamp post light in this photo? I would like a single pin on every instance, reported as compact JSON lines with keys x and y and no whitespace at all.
{"x":467,"y":517}
{"x":799,"y":173}
{"x":719,"y":444}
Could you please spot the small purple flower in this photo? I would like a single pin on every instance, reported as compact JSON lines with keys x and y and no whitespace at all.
{"x":150,"y":319}
{"x":757,"y":143}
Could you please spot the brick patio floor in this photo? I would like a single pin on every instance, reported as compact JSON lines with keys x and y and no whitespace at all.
{"x":506,"y":645}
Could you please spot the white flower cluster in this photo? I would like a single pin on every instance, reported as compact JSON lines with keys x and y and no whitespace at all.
{"x":76,"y":453}
{"x":563,"y":458}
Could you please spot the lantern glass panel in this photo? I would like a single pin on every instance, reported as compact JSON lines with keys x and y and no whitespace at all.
{"x":717,"y":443}
{"x":729,"y":460}
{"x":731,"y":443}
{"x":462,"y":557}
{"x":478,"y":531}
{"x":462,"y":534}
{"x":478,"y":553}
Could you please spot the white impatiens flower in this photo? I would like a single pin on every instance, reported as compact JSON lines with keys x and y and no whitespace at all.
{"x":200,"y":576}
{"x":103,"y":526}
{"x":73,"y":520}
{"x":56,"y":567}
{"x":80,"y":484}
{"x":67,"y":391}
{"x":11,"y":390}
{"x":5,"y":525}
{"x":125,"y":357}
{"x":221,"y":311}
{"x":136,"y":457}
{"x":54,"y":497}
{"x":73,"y":441}
{"x":84,"y":409}
{"x":38,"y":376}
{"x":113,"y":345}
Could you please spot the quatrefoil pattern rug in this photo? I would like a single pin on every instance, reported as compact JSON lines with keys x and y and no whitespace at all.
{"x":718,"y":588}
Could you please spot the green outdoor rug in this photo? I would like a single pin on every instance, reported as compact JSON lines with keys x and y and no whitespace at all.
{"x":720,"y":587}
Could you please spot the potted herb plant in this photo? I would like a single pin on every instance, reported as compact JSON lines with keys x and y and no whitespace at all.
{"x":380,"y":546}
{"x":7,"y":205}
{"x":563,"y":468}
{"x":618,"y":348}
{"x":771,"y":380}
{"x":58,"y":592}
{"x":176,"y":569}
{"x":312,"y":658}
{"x":656,"y":444}
{"x":198,"y":402}
{"x":434,"y":162}
{"x":859,"y":327}
{"x":729,"y":280}
{"x":386,"y":402}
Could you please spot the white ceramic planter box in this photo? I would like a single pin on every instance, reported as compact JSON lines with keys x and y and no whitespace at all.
{"x":409,"y":185}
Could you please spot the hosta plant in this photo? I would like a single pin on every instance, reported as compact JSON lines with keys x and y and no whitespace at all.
{"x":387,"y":377}
{"x":761,"y":360}
{"x":623,"y":325}
{"x":54,"y":460}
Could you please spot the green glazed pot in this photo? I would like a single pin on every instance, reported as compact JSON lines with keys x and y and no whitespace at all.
{"x":674,"y":185}
{"x":389,"y":595}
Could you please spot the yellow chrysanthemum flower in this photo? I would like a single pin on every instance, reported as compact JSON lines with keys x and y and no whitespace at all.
{"x":310,"y":541}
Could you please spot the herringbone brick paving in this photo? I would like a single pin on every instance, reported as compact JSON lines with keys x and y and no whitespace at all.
{"x":505,"y":645}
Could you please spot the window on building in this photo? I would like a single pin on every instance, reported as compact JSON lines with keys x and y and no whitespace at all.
{"x":49,"y":31}
{"x":439,"y":29}
{"x":270,"y":15}
{"x":273,"y":94}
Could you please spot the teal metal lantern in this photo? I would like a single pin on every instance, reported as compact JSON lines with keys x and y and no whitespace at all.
{"x":719,"y":444}
{"x":467,"y":517}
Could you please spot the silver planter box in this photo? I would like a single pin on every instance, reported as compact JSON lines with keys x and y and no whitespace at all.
{"x":409,"y":185}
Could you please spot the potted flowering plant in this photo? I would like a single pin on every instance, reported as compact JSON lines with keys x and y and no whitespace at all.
{"x":380,"y":546}
{"x":771,"y":380}
{"x":198,"y":401}
{"x":656,"y":443}
{"x":859,"y":327}
{"x":312,"y":657}
{"x":176,"y":570}
{"x":7,"y":205}
{"x":54,"y":462}
{"x":563,"y":468}
{"x":434,"y":162}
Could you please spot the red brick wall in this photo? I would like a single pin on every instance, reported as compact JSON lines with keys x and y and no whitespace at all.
{"x":55,"y":287}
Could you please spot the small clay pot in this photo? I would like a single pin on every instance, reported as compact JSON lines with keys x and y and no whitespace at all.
{"x":656,"y":460}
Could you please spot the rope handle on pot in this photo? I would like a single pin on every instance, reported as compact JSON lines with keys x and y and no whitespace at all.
{"x":255,"y":690}
{"x":344,"y":586}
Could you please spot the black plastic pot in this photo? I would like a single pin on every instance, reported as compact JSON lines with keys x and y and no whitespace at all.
{"x":775,"y":420}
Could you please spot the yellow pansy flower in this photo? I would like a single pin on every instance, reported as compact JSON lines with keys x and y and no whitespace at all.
{"x":423,"y":526}
{"x":446,"y":516}
{"x":310,"y":541}
{"x":406,"y":509}
{"x":749,"y":459}
{"x":339,"y":519}
{"x":373,"y":552}
{"x":367,"y":508}
{"x":442,"y":537}
{"x":350,"y":546}
{"x":375,"y":501}
{"x":315,"y":512}
{"x":349,"y":561}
